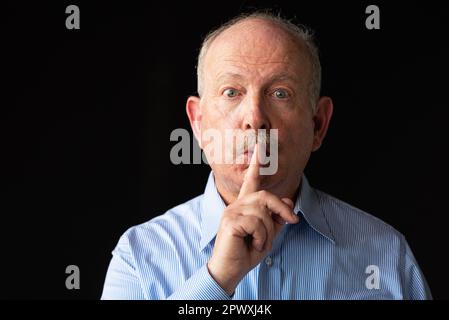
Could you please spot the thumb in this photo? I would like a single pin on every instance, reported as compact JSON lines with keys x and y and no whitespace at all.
{"x":288,"y":202}
{"x":277,"y":218}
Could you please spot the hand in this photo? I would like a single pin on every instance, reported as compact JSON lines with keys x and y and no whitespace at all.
{"x":247,"y":229}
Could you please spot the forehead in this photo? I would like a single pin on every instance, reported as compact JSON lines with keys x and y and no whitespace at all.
{"x":256,"y":47}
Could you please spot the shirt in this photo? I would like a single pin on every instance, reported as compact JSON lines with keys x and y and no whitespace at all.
{"x":336,"y":251}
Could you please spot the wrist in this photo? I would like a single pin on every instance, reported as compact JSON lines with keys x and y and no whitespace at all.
{"x":226,"y":283}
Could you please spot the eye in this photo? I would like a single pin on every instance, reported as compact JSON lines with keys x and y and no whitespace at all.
{"x":280,"y":94}
{"x":231,"y":93}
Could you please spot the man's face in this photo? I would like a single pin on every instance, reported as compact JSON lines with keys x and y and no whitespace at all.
{"x":255,"y":76}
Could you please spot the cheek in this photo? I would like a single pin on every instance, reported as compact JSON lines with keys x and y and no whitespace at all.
{"x":297,"y":136}
{"x":218,"y":117}
{"x":214,"y":125}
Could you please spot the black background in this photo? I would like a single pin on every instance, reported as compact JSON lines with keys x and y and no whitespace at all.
{"x":87,"y":115}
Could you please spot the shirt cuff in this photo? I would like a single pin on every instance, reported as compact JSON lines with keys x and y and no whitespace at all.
{"x":200,"y":286}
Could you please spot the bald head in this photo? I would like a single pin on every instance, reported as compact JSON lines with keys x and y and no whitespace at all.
{"x":262,"y":38}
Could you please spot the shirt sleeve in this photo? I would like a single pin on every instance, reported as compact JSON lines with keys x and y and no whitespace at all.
{"x":415,"y":286}
{"x":200,"y":286}
{"x":121,"y":281}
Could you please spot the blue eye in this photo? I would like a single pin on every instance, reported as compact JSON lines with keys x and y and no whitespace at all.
{"x":280,"y":94}
{"x":231,"y":93}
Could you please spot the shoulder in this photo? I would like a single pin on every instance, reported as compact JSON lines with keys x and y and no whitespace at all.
{"x":166,"y":231}
{"x":350,"y":223}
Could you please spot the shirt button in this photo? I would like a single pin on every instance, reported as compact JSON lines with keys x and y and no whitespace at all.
{"x":268,"y":261}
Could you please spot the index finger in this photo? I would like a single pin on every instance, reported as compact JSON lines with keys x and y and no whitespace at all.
{"x":251,"y":180}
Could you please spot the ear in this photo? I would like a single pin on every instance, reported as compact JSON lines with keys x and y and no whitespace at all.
{"x":194,"y":113}
{"x":321,"y":119}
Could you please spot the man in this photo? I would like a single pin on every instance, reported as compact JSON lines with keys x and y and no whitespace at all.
{"x":254,"y":236}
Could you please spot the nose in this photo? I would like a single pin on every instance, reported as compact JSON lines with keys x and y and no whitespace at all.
{"x":255,"y":113}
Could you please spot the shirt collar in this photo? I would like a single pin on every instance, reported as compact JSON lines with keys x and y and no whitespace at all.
{"x":307,"y":203}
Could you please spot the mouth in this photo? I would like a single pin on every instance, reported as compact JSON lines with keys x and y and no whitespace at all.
{"x":266,"y":151}
{"x":248,"y":153}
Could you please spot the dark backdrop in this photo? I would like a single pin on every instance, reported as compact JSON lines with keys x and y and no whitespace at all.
{"x":87,"y":115}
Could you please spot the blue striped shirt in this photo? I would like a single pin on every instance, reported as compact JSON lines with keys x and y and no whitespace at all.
{"x":336,"y":251}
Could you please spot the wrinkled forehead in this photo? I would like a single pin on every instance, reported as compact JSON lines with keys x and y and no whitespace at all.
{"x":256,"y":47}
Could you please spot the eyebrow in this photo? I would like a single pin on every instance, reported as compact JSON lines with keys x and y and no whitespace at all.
{"x":283,"y":77}
{"x":230,"y":75}
{"x":271,"y":80}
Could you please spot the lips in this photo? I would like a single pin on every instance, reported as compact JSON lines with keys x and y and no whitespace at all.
{"x":266,"y":151}
{"x":248,"y":155}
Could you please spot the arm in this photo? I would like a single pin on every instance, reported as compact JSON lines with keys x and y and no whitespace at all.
{"x":123,"y":283}
{"x":415,"y":285}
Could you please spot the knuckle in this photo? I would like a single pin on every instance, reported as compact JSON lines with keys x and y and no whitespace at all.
{"x":262,"y":193}
{"x":254,"y":221}
{"x":258,"y":221}
{"x":227,"y":220}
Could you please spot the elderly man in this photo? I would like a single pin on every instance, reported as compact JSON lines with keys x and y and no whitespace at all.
{"x":254,"y":236}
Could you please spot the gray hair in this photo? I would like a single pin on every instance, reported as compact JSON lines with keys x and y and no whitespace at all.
{"x":299,"y":32}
